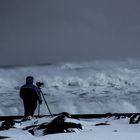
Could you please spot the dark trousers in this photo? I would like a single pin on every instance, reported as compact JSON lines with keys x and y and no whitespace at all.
{"x":29,"y":107}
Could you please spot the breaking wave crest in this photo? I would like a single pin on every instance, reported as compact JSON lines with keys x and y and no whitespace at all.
{"x":88,"y":87}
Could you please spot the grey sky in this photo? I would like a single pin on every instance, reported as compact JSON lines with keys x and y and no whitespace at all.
{"x":42,"y":31}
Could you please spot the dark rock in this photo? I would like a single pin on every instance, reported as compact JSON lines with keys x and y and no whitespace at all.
{"x":98,"y":124}
{"x":134,"y":119}
{"x":4,"y":137}
{"x":7,"y":124}
{"x":57,"y":125}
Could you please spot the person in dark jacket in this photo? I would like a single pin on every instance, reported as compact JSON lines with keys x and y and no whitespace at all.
{"x":30,"y":95}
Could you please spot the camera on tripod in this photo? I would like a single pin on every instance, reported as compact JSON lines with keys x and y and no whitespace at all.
{"x":39,"y":84}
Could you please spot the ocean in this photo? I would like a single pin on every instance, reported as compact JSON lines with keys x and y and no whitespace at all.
{"x":84,"y":87}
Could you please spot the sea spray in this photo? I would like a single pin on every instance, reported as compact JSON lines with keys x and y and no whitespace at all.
{"x":88,"y":87}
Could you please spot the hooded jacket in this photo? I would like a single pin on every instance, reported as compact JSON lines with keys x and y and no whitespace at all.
{"x":29,"y":91}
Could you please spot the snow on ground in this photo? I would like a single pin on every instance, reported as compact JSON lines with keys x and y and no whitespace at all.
{"x":115,"y":129}
{"x":82,"y":88}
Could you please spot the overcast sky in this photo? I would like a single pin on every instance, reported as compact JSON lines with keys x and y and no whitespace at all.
{"x":43,"y":31}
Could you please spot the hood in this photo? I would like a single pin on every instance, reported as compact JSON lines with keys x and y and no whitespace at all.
{"x":29,"y":80}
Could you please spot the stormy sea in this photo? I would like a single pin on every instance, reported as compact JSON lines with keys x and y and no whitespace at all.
{"x":83,"y":87}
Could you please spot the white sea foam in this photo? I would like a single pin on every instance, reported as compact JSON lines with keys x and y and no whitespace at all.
{"x":93,"y":87}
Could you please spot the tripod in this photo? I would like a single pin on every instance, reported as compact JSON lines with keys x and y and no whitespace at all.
{"x":45,"y":104}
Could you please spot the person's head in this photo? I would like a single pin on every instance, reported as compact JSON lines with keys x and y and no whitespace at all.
{"x":29,"y":80}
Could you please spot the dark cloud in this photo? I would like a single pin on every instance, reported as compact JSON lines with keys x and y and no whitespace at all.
{"x":42,"y":31}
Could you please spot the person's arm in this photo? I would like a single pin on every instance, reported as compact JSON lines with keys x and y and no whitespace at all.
{"x":20,"y":93}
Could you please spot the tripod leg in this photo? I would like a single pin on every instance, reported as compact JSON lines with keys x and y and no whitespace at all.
{"x":46,"y":104}
{"x":38,"y":110}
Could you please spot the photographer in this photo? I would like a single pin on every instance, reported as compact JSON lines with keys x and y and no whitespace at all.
{"x":30,"y":94}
